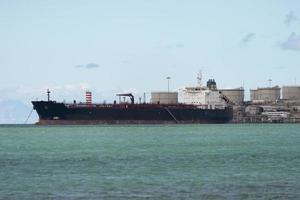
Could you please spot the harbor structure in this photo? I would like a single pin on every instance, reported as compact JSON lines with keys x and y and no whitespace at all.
{"x":266,"y":94}
{"x":164,"y":97}
{"x":236,"y":95}
{"x":291,"y":92}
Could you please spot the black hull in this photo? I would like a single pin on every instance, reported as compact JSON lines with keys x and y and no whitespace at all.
{"x":51,"y":112}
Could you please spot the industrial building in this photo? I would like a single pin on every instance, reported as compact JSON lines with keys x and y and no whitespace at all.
{"x":236,"y":95}
{"x":267,"y":94}
{"x":164,"y":97}
{"x":291,"y":92}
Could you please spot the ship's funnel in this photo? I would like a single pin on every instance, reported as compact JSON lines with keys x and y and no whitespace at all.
{"x":88,"y":97}
{"x":211,"y":84}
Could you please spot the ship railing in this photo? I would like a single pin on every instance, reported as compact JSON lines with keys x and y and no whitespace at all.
{"x":78,"y":105}
{"x":127,"y":105}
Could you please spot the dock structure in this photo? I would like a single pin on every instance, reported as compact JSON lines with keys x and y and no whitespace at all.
{"x":266,"y":105}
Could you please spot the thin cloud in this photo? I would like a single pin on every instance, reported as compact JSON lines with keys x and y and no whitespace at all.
{"x":178,"y":45}
{"x":125,"y":61}
{"x":88,"y":66}
{"x":247,"y":39}
{"x":290,"y":18}
{"x":292,"y":42}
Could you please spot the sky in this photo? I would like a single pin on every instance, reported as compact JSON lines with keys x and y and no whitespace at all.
{"x":116,"y":46}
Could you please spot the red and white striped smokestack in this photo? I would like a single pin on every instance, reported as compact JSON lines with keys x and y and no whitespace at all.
{"x":88,"y":97}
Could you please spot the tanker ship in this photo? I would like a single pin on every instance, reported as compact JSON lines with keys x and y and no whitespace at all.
{"x":198,"y":105}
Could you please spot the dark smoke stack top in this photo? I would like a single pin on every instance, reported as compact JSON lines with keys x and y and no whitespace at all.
{"x":211,"y":84}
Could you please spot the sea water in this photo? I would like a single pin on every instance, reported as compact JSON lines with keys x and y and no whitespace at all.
{"x":229,"y":161}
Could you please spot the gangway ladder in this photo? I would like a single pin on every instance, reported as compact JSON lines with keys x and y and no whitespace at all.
{"x":167,"y":109}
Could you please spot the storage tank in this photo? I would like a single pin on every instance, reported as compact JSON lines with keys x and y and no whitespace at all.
{"x":253,"y":95}
{"x":268,"y":94}
{"x":164,"y":97}
{"x":234,"y":95}
{"x":291,"y":92}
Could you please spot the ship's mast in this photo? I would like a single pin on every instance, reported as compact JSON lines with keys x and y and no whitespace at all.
{"x":48,"y":94}
{"x":199,"y":77}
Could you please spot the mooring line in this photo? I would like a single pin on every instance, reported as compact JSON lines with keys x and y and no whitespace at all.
{"x":171,"y":115}
{"x":28,"y":116}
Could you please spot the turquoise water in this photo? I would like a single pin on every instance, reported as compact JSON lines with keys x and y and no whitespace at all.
{"x":231,"y":161}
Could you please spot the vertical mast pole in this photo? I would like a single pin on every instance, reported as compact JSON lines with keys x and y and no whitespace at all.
{"x":48,"y":94}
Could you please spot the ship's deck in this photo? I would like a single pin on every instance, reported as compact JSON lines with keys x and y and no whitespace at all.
{"x":142,"y":105}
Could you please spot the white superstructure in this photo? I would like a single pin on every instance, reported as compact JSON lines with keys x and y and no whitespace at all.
{"x":204,"y":97}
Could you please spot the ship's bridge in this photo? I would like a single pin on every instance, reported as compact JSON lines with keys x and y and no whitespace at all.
{"x":202,"y":96}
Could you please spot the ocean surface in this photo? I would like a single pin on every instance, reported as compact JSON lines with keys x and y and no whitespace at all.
{"x":232,"y":161}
